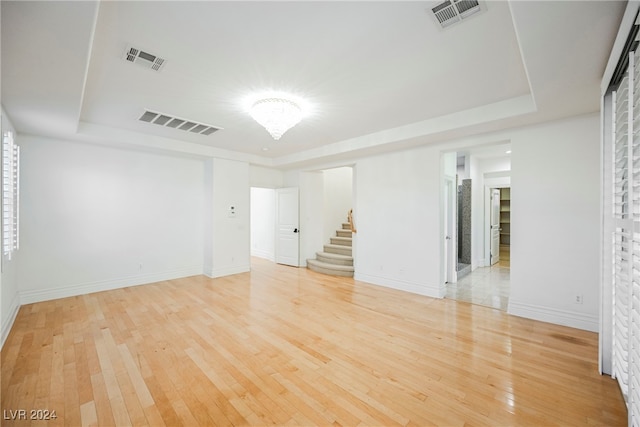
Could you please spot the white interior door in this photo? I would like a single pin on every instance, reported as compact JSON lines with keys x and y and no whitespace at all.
{"x":287,"y":226}
{"x":495,"y":225}
{"x":450,"y":247}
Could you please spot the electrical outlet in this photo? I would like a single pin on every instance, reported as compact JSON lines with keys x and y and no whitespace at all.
{"x":577,"y":299}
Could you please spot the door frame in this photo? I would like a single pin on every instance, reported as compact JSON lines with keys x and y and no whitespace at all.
{"x":491,"y":255}
{"x":450,"y":230}
{"x":487,"y":220}
{"x":290,"y":232}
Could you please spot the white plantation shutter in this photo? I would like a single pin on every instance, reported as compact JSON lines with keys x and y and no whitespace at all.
{"x":633,"y":291}
{"x":621,"y":238}
{"x":10,"y":193}
{"x":625,"y":217}
{"x":620,"y":360}
{"x":633,"y":397}
{"x":621,"y":151}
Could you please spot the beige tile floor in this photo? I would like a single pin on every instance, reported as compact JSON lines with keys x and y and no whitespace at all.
{"x":487,"y":286}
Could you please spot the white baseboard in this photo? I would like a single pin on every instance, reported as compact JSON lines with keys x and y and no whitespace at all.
{"x":226,"y":271}
{"x":28,"y":297}
{"x":572,"y":319}
{"x":263,"y":254}
{"x":413,"y":287}
{"x":7,"y":323}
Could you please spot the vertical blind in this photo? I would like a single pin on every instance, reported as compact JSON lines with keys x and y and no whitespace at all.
{"x":626,"y":237}
{"x":10,"y":194}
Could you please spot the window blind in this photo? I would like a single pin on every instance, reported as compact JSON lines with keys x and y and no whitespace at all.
{"x":10,"y":194}
{"x":626,"y":237}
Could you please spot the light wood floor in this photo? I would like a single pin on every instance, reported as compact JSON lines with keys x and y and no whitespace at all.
{"x":288,"y":346}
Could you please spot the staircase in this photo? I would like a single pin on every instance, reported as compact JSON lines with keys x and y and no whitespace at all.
{"x":336,"y":259}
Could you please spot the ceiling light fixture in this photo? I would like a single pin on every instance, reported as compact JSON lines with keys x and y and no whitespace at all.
{"x":276,"y":114}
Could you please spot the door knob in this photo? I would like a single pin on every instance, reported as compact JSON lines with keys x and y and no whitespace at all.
{"x":295,"y":230}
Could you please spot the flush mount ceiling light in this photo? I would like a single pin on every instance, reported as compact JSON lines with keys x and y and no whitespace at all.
{"x":277,"y":114}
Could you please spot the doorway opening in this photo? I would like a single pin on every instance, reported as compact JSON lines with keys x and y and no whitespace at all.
{"x":332,"y":251}
{"x":298,"y":222}
{"x":482,"y":215}
{"x":274,"y":225}
{"x":262,"y":222}
{"x":464,"y":228}
{"x":503,"y":222}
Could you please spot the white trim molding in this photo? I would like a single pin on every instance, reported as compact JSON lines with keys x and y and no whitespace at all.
{"x":413,"y":287}
{"x":226,"y":271}
{"x":33,"y":296}
{"x":7,"y":323}
{"x":572,"y":319}
{"x":261,"y":253}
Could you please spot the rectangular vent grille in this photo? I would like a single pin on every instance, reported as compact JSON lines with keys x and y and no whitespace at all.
{"x":451,"y":12}
{"x":143,"y":58}
{"x":166,"y":120}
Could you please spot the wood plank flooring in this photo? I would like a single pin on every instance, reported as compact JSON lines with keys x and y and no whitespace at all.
{"x":287,"y":346}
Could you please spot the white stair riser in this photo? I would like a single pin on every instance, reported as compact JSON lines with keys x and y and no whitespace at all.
{"x":329,"y":271}
{"x":342,"y":250}
{"x":335,"y":261}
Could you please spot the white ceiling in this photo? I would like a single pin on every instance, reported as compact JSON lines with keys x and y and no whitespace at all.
{"x":379,"y":75}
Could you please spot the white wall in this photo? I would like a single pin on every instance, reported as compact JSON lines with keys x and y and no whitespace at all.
{"x":477,"y":211}
{"x":9,"y":297}
{"x":463,"y":170}
{"x":92,"y":214}
{"x":555,"y":212}
{"x":227,"y":238}
{"x":449,"y":167}
{"x":338,"y":192}
{"x":260,"y":176}
{"x":311,"y":218}
{"x":495,"y":164}
{"x":399,"y":221}
{"x":263,"y":208}
{"x":95,"y":218}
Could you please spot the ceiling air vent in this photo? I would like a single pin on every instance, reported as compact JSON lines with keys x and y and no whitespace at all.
{"x":169,"y":121}
{"x":146,"y":59}
{"x":451,"y":12}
